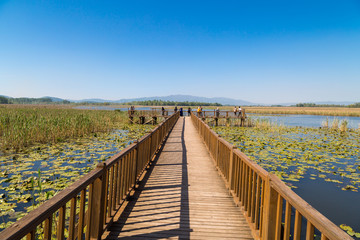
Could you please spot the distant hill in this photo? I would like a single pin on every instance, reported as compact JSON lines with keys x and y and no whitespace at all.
{"x":93,"y":100}
{"x":189,"y":98}
{"x":54,"y":99}
{"x":175,"y":98}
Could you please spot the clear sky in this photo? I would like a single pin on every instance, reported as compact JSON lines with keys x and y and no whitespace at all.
{"x":258,"y":51}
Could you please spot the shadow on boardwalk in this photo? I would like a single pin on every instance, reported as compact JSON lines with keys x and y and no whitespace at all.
{"x":160,"y":206}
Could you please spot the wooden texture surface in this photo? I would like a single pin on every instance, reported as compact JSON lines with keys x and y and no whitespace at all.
{"x":182,"y":197}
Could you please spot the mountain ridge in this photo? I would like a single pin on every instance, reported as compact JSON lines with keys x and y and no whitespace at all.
{"x":191,"y":98}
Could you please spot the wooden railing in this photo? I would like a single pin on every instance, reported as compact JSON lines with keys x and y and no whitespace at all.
{"x":271,"y":208}
{"x":87,"y":207}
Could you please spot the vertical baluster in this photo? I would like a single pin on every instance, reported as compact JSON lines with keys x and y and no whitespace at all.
{"x":253,"y":195}
{"x":309,"y":231}
{"x":81,"y":215}
{"x":297,"y":225}
{"x":278,"y":217}
{"x":287,"y":221}
{"x":96,"y":213}
{"x":246,"y":186}
{"x":257,"y":204}
{"x":88,"y":215}
{"x":110,"y":191}
{"x":48,"y":227}
{"x":122,"y":169}
{"x":116,"y":186}
{"x":31,"y":235}
{"x":61,"y":223}
{"x":248,"y":207}
{"x":242,"y":183}
{"x":323,"y":237}
{"x":72,"y":218}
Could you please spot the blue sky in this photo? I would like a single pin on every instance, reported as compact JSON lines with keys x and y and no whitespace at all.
{"x":258,"y":51}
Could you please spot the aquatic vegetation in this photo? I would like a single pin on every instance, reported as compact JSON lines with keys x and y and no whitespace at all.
{"x":343,"y":125}
{"x":21,"y":127}
{"x":30,"y":177}
{"x":295,"y":153}
{"x":349,"y":230}
{"x":298,"y":154}
{"x":335,"y":124}
{"x":325,"y":123}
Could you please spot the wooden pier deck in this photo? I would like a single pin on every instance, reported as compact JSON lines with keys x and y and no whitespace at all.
{"x":179,"y":181}
{"x":184,"y":196}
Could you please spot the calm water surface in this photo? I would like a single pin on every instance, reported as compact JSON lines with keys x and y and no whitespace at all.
{"x":307,"y":120}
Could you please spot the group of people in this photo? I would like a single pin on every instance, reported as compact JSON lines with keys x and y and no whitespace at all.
{"x":237,"y":110}
{"x":199,"y":111}
{"x":182,"y":111}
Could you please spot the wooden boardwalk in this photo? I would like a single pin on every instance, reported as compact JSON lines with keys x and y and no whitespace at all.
{"x":183,"y":198}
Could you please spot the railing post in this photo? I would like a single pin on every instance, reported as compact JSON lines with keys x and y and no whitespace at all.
{"x":96,"y":211}
{"x":231,"y":166}
{"x":136,"y":160}
{"x":217,"y":150}
{"x":270,"y":205}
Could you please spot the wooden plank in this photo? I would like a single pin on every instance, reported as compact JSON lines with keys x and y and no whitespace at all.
{"x":184,"y":196}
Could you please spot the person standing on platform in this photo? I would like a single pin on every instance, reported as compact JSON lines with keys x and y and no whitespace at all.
{"x":175,"y":109}
{"x":199,"y":111}
{"x":239,"y":110}
{"x":235,"y":110}
{"x":217,"y":112}
{"x":163,"y":111}
{"x":181,"y":112}
{"x":189,"y":111}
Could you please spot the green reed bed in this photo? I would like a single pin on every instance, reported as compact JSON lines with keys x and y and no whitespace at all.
{"x":45,"y":149}
{"x":21,"y":127}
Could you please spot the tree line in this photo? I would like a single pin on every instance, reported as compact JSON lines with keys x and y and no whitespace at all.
{"x":44,"y":100}
{"x":354,"y":105}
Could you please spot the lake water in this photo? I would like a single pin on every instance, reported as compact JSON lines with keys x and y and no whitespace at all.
{"x":287,"y":120}
{"x":306,"y":120}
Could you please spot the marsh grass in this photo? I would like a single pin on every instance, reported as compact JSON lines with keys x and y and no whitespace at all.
{"x":335,"y":124}
{"x":21,"y":126}
{"x":343,"y":125}
{"x":325,"y":123}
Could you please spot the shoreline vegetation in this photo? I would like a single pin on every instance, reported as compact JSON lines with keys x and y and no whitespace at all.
{"x":22,"y":126}
{"x":324,"y":111}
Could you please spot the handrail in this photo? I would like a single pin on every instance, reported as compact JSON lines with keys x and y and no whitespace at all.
{"x":262,"y":195}
{"x":88,"y":206}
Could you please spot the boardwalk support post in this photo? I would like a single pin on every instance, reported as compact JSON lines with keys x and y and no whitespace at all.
{"x":270,"y":211}
{"x":96,"y":211}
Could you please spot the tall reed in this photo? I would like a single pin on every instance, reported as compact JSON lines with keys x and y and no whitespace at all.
{"x":343,"y":125}
{"x":24,"y":126}
{"x":335,"y":124}
{"x":325,"y":123}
